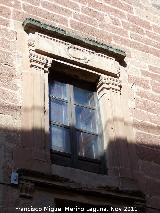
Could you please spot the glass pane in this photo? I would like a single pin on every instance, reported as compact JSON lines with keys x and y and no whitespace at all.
{"x":58,"y":89}
{"x":58,"y":111}
{"x":86,"y":119}
{"x":83,"y":97}
{"x":60,"y":139}
{"x":88,"y":145}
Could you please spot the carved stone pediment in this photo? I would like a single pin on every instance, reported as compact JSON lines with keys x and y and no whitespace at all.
{"x":55,"y":47}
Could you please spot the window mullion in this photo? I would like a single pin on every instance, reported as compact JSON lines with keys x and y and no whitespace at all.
{"x":72,"y":125}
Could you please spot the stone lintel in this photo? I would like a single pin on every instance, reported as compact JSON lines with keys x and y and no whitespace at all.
{"x":56,"y":48}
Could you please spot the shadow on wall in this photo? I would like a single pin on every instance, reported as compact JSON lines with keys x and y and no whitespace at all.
{"x":19,"y":149}
{"x":141,"y":157}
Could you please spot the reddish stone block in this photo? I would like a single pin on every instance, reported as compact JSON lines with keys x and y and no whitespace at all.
{"x":155,"y":86}
{"x":56,"y":8}
{"x":154,"y":201}
{"x":152,"y":35}
{"x":114,"y":29}
{"x":154,"y":69}
{"x":132,"y":27}
{"x":33,"y":2}
{"x":154,"y":51}
{"x":50,"y":16}
{"x":15,"y":4}
{"x":7,"y":45}
{"x":85,"y":19}
{"x":5,"y":12}
{"x":4,"y":22}
{"x":138,"y":21}
{"x":156,"y":28}
{"x":131,"y":44}
{"x":6,"y":58}
{"x":146,"y":116}
{"x":121,"y":41}
{"x":68,"y":4}
{"x":142,"y":39}
{"x":150,"y":169}
{"x":148,"y":154}
{"x":107,"y":9}
{"x":92,"y":13}
{"x":149,"y":106}
{"x":120,"y":5}
{"x":8,"y":96}
{"x":152,"y":141}
{"x":83,"y":2}
{"x":8,"y":78}
{"x":8,"y":108}
{"x":151,"y":75}
{"x":8,"y":34}
{"x":89,"y":30}
{"x":19,"y":15}
{"x":152,"y":186}
{"x":140,"y":82}
{"x":146,"y":127}
{"x":148,"y":95}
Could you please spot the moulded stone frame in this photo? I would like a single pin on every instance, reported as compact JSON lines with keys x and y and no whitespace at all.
{"x":46,"y":46}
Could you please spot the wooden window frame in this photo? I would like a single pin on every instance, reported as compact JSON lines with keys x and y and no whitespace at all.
{"x":72,"y":159}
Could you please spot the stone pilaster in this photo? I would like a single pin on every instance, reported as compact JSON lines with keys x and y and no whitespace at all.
{"x":34,"y":152}
{"x":40,"y":65}
{"x":111,"y":105}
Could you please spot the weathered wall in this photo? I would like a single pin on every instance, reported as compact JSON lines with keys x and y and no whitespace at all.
{"x":132,"y":25}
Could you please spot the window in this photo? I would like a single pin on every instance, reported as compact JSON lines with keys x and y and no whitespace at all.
{"x":74,"y":123}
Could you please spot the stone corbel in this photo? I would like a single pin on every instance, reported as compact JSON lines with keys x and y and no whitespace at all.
{"x":26,"y":189}
{"x":108,"y":83}
{"x":39,"y":62}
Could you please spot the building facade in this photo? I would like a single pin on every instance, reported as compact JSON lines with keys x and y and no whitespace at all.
{"x":80,"y":93}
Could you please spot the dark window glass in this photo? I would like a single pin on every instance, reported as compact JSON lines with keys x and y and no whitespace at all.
{"x":88,"y":145}
{"x":58,"y":109}
{"x":83,"y":97}
{"x":74,"y":123}
{"x":58,"y":89}
{"x":86,"y":119}
{"x":60,"y":139}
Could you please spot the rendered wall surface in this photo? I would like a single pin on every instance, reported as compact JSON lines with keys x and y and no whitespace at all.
{"x":131,"y":25}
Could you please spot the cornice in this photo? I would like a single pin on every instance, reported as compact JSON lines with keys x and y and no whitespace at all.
{"x":57,"y":182}
{"x":32,"y":25}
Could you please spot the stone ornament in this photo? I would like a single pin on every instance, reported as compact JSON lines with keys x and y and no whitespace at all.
{"x":109,"y":83}
{"x":39,"y":62}
{"x":26,"y":189}
{"x":56,"y":47}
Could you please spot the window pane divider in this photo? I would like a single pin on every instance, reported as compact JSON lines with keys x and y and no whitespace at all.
{"x":89,"y":159}
{"x":88,"y":107}
{"x":85,"y":131}
{"x":57,"y":98}
{"x":52,"y":123}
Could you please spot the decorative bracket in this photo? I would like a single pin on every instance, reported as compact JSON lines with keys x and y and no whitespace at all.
{"x":39,"y":62}
{"x":109,"y":83}
{"x":26,"y":189}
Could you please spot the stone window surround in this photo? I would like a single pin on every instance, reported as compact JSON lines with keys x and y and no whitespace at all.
{"x":32,"y":156}
{"x":48,"y":45}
